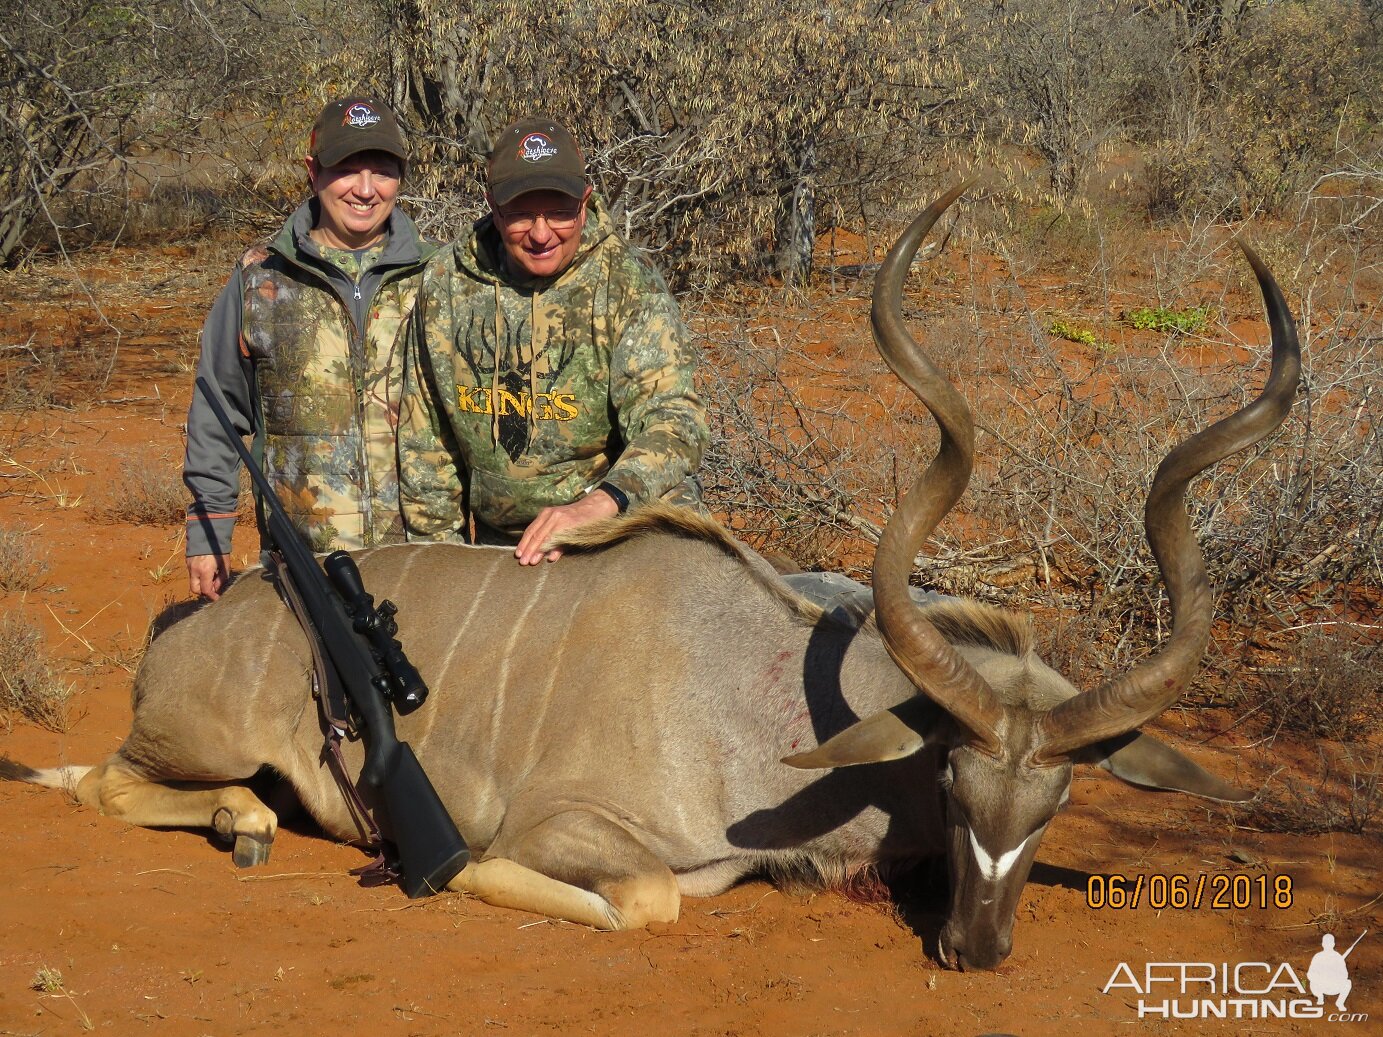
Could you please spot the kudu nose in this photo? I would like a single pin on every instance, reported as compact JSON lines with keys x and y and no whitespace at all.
{"x":976,"y":956}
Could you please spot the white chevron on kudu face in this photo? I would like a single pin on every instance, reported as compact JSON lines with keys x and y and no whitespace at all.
{"x":995,"y":868}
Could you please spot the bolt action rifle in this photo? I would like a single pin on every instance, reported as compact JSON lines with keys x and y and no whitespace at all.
{"x":372,"y":669}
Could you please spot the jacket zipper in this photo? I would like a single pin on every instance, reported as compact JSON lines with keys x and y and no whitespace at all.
{"x":367,"y":503}
{"x":367,"y":511}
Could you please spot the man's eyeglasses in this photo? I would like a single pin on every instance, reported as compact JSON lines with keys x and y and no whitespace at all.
{"x":521,"y":222}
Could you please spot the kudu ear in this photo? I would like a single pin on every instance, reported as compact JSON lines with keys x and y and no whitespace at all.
{"x":1142,"y":760}
{"x":887,"y":735}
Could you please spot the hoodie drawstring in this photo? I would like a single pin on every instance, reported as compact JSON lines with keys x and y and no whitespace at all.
{"x":533,"y":351}
{"x":494,"y":376}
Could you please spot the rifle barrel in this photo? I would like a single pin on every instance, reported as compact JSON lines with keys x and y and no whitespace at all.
{"x":431,"y":850}
{"x":1355,"y":943}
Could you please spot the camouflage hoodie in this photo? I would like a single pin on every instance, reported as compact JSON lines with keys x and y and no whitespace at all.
{"x":544,"y":387}
{"x":320,"y":328}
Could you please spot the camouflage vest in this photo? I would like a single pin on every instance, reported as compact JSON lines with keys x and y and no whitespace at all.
{"x":329,"y":399}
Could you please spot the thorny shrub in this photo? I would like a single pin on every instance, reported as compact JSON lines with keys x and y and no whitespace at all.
{"x":1274,"y":142}
{"x":1083,"y":645}
{"x":103,"y":101}
{"x":23,"y":563}
{"x":779,"y":467}
{"x":1068,"y":441}
{"x":1330,"y":687}
{"x":146,"y":495}
{"x":722,"y":136}
{"x":1344,"y":795}
{"x":29,"y":685}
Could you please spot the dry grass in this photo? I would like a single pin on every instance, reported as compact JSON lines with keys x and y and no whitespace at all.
{"x":66,"y":361}
{"x":23,"y":564}
{"x":1345,"y":795}
{"x":50,"y":983}
{"x":29,"y":685}
{"x":31,"y":384}
{"x":145,"y":494}
{"x":1331,"y":687}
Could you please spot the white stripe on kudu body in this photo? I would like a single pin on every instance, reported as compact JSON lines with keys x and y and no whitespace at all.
{"x":463,"y":627}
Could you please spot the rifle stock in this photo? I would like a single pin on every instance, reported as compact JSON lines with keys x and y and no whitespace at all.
{"x":431,"y":851}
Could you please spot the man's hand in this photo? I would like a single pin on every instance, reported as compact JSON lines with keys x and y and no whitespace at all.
{"x":207,"y":575}
{"x":550,"y":521}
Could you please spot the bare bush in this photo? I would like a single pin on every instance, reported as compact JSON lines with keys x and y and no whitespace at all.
{"x":102,"y":101}
{"x":1230,"y":132}
{"x":1084,"y":644}
{"x":1060,"y":74}
{"x":785,"y":471}
{"x":1071,"y":435}
{"x":23,"y":563}
{"x":717,"y":133}
{"x":29,"y":685}
{"x":1288,"y":530}
{"x":1331,"y":685}
{"x":145,"y":494}
{"x":1344,"y":795}
{"x":1275,"y":141}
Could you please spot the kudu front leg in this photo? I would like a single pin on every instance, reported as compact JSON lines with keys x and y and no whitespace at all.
{"x":579,"y":867}
{"x":231,"y":810}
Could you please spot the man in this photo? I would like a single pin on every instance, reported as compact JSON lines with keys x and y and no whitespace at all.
{"x":301,"y":343}
{"x":554,"y":373}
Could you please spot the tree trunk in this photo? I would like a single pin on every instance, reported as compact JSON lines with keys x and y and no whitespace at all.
{"x":795,"y":230}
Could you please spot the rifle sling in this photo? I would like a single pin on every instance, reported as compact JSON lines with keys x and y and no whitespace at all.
{"x":331,"y":701}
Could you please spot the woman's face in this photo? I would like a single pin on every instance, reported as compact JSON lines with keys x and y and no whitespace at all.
{"x":355,"y":197}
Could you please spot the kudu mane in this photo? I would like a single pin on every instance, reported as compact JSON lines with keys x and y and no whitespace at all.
{"x":960,"y":620}
{"x":666,"y":520}
{"x":965,"y":622}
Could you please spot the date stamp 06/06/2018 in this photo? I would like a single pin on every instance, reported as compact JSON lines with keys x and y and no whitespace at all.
{"x":1219,"y":891}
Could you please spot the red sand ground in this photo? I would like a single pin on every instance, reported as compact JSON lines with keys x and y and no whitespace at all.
{"x":156,"y":931}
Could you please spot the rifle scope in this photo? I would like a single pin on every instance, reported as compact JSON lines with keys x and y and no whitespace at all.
{"x":376,"y":624}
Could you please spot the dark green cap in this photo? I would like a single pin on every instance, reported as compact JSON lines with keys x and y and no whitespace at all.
{"x":352,"y":125}
{"x":536,"y":154}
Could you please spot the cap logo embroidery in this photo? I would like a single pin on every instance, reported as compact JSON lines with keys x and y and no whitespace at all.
{"x":361,"y":116}
{"x":536,"y":148}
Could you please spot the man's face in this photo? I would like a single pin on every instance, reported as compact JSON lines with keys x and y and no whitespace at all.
{"x":541,"y":231}
{"x":356,"y":197}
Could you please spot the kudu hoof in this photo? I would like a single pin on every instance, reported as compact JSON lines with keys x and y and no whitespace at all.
{"x":250,"y":851}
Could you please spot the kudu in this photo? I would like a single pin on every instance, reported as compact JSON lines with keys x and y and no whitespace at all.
{"x":608,"y":731}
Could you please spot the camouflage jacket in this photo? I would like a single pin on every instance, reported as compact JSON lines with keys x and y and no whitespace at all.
{"x":320,"y":328}
{"x":530,"y":392}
